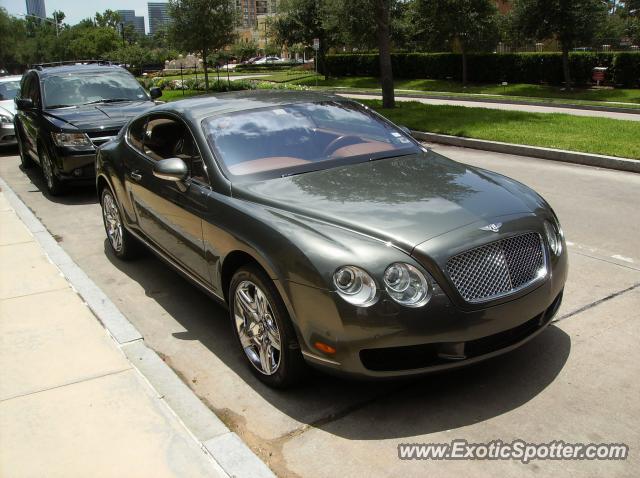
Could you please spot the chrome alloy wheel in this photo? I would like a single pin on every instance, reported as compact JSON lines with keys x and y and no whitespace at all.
{"x":112,"y":221}
{"x":257,"y":327}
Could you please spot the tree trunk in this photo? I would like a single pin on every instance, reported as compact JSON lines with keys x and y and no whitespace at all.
{"x":384,"y":46}
{"x":464,"y":65}
{"x":565,"y":67}
{"x":206,"y":70}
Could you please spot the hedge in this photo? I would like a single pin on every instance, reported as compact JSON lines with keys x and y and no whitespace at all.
{"x":624,"y":68}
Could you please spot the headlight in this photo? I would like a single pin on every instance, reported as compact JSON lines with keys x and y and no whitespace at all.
{"x":6,"y":118}
{"x":355,"y":286}
{"x":71,"y":139}
{"x":554,"y":237}
{"x":407,"y":285}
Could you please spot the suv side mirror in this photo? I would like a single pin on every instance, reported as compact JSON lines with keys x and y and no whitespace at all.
{"x":24,"y":103}
{"x":155,"y":93}
{"x":172,"y":169}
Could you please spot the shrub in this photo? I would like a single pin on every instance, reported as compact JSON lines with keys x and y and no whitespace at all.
{"x":624,"y":68}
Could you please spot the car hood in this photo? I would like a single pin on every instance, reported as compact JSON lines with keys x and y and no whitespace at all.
{"x":8,"y":105}
{"x":405,"y":200}
{"x":100,"y":116}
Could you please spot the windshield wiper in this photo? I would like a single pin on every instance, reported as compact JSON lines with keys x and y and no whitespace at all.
{"x":108,"y":100}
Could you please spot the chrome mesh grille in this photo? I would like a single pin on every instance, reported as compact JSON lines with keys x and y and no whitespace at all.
{"x":498,"y":268}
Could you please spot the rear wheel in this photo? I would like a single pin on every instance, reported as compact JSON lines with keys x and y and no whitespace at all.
{"x":123,"y":244}
{"x":52,"y":182}
{"x":264,"y":330}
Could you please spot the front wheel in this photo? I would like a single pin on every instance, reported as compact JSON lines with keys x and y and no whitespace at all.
{"x":122,"y":243}
{"x":264,"y":330}
{"x":52,"y":182}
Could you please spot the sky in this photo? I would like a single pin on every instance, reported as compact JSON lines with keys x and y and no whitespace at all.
{"x":76,"y":10}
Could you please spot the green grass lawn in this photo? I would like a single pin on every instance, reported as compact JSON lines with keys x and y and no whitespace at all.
{"x":175,"y":95}
{"x":515,"y":91}
{"x":576,"y":133}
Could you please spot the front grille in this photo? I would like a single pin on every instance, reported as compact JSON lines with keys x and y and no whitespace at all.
{"x":498,"y":268}
{"x":100,"y":137}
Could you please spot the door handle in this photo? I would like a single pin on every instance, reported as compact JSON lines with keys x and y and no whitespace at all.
{"x":135,"y":175}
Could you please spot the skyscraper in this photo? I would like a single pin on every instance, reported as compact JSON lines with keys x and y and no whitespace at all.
{"x":248,"y":10}
{"x":36,"y":7}
{"x":158,"y":16}
{"x":128,"y":17}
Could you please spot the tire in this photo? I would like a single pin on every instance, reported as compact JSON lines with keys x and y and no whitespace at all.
{"x":25,"y":160}
{"x":123,"y":245}
{"x":281,"y":365}
{"x":52,"y":182}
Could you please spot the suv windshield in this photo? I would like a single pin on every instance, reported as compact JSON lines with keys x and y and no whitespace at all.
{"x":9,"y":89}
{"x":291,"y":139}
{"x":75,"y":89}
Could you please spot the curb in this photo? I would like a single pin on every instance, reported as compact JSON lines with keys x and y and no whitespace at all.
{"x":225,"y":447}
{"x":598,"y":160}
{"x":572,"y":106}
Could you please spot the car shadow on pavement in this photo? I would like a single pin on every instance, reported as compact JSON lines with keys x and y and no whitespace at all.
{"x":361,"y":410}
{"x":74,"y":194}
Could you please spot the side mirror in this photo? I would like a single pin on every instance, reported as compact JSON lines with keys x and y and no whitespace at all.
{"x":172,"y":169}
{"x":24,"y":103}
{"x":405,"y":129}
{"x":155,"y":93}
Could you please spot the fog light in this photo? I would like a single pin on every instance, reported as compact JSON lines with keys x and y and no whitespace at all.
{"x":77,"y":172}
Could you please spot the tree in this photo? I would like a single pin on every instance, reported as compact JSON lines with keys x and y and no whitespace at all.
{"x":203,"y":26}
{"x":572,"y":22}
{"x":108,"y":19}
{"x":471,"y":25}
{"x":244,"y":50}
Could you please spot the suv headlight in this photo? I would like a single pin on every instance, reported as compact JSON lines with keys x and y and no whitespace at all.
{"x":71,"y":139}
{"x":355,"y":286}
{"x":407,"y":285}
{"x":6,"y":118}
{"x":554,"y":237}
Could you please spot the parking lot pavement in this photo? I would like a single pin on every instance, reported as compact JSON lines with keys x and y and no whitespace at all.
{"x":575,"y":382}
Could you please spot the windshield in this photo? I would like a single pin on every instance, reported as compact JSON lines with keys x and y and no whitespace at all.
{"x":9,"y":89}
{"x":290,"y":139}
{"x":76,"y":89}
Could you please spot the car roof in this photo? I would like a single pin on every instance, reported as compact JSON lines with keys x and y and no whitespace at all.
{"x":79,"y":68}
{"x":4,"y":79}
{"x":200,"y":107}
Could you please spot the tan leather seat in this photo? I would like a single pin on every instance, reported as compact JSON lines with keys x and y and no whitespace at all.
{"x":265,"y":164}
{"x":362,"y":148}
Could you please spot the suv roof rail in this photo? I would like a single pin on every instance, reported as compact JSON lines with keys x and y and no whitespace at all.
{"x":41,"y":66}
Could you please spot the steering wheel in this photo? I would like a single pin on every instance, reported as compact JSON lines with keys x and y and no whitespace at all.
{"x":339,"y":142}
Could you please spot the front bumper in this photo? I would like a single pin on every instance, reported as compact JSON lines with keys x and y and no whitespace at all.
{"x":7,"y":135}
{"x":387,"y":340}
{"x":74,"y":165}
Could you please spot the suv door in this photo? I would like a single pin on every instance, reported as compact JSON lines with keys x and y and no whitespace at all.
{"x":29,"y":88}
{"x":169,"y":214}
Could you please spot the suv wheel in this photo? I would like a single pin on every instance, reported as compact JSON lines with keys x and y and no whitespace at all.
{"x":264,"y":330}
{"x":25,"y":160}
{"x":52,"y":182}
{"x":122,"y":243}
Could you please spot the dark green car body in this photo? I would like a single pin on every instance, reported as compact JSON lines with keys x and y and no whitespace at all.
{"x":421,"y":209}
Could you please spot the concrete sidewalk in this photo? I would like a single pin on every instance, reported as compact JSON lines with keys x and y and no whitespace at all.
{"x":71,"y":404}
{"x":501,"y":106}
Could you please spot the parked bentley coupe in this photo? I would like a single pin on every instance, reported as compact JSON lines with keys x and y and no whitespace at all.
{"x":65,"y":111}
{"x":334,"y":238}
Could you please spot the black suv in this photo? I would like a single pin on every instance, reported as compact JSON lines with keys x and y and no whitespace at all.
{"x":65,"y":112}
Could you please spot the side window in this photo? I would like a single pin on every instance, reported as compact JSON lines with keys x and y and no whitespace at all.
{"x":166,"y":137}
{"x":135,"y":134}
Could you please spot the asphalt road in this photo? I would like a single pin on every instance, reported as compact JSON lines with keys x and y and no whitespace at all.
{"x":504,"y":106}
{"x":576,"y":382}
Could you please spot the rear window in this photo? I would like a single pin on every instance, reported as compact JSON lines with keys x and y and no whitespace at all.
{"x":290,"y":139}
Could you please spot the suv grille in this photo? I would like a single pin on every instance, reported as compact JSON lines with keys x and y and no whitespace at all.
{"x":98,"y":138}
{"x":498,"y":268}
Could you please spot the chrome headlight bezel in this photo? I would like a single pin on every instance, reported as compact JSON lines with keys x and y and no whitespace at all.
{"x":407,"y":285}
{"x":71,"y":140}
{"x":554,"y":235}
{"x":355,"y":285}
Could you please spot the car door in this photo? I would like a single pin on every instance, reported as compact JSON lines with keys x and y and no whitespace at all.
{"x":29,"y":118}
{"x":170,"y":213}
